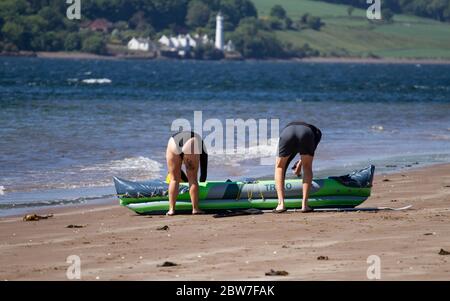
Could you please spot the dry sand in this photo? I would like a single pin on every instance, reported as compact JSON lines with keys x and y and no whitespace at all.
{"x":116,"y":244}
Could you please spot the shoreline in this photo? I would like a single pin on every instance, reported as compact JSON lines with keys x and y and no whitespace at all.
{"x":109,"y":200}
{"x":343,"y":60}
{"x":116,"y":244}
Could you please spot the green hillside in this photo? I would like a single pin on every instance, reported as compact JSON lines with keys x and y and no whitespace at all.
{"x":406,"y":37}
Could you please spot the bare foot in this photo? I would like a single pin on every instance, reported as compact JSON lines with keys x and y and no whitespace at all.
{"x":170,"y":213}
{"x":307,"y":209}
{"x":280,"y":209}
{"x":197,"y":212}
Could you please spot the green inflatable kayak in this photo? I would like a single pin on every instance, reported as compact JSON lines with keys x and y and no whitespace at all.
{"x":150,"y":197}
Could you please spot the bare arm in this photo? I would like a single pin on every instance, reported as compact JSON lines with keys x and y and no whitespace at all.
{"x":297,"y":169}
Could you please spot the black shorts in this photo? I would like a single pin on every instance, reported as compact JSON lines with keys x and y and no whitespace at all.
{"x":180,"y":139}
{"x":298,"y":138}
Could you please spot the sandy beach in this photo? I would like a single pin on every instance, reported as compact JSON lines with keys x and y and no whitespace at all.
{"x":116,"y":244}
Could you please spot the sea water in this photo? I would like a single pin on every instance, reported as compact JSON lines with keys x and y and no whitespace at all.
{"x":68,"y":126}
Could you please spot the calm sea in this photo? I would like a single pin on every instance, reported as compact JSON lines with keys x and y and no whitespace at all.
{"x":68,"y":126}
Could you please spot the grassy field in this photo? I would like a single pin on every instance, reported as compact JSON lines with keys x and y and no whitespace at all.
{"x":406,"y":37}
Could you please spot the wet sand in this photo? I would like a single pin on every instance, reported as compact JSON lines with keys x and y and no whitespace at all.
{"x":116,"y":244}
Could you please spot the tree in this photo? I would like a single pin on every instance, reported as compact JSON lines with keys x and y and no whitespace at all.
{"x":121,"y":25}
{"x":198,"y":14}
{"x":299,"y":52}
{"x":288,"y":23}
{"x":163,"y":13}
{"x":274,"y":23}
{"x":278,"y":18}
{"x":138,"y":20}
{"x":72,"y":42}
{"x":252,"y":41}
{"x":53,"y":18}
{"x":14,"y":33}
{"x":207,"y":52}
{"x":315,"y":23}
{"x":35,"y":24}
{"x":278,"y":11}
{"x":54,"y":41}
{"x":308,"y":21}
{"x":235,"y":10}
{"x":94,"y":44}
{"x":387,"y":14}
{"x":12,"y":8}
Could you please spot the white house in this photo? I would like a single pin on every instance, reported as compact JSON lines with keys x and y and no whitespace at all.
{"x":139,"y":44}
{"x":184,"y":43}
{"x":165,"y":41}
{"x":204,"y":40}
{"x":174,"y":41}
{"x":229,"y":47}
{"x":178,"y":43}
{"x":191,"y":41}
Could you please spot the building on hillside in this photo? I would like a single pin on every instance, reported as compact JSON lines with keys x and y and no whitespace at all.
{"x":203,"y":40}
{"x":165,"y":41}
{"x":180,"y":42}
{"x":141,"y":44}
{"x":229,"y":47}
{"x":181,"y":45}
{"x":100,"y":25}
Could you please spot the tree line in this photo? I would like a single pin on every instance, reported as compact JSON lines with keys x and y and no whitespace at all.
{"x":42,"y":25}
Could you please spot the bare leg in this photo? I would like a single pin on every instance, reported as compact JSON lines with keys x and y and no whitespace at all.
{"x":307,"y":180}
{"x":191,"y":161}
{"x":174,"y":167}
{"x":280,"y":167}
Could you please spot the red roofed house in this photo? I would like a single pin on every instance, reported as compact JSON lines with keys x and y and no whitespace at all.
{"x":101,"y":25}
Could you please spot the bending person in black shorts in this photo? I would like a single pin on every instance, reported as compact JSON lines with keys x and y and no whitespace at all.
{"x":296,"y":138}
{"x":188,"y":148}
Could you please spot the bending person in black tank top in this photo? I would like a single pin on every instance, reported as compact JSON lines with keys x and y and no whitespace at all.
{"x":188,"y":148}
{"x":296,"y":138}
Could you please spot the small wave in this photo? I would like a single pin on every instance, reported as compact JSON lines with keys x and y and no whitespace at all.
{"x":241,"y":153}
{"x":97,"y":81}
{"x":2,"y":190}
{"x":378,"y":128}
{"x":94,"y":175}
{"x":127,"y":164}
{"x":440,"y":137}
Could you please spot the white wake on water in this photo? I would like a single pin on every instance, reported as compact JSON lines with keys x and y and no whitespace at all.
{"x":128,"y":164}
{"x":234,"y":156}
{"x":2,"y":190}
{"x":97,"y":81}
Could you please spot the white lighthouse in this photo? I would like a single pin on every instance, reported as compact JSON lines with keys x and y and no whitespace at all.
{"x":219,"y":32}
